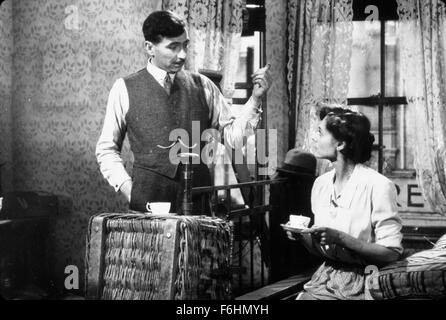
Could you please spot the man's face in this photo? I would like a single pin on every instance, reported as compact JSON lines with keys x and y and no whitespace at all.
{"x":170,"y":53}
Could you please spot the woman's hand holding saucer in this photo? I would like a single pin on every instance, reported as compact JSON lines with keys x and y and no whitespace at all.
{"x":326,"y":236}
{"x":293,"y":235}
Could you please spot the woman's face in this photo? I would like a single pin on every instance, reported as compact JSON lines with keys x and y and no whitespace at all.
{"x":325,"y":144}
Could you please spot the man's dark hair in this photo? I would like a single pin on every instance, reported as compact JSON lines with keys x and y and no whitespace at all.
{"x":354,"y":129}
{"x":161,"y":24}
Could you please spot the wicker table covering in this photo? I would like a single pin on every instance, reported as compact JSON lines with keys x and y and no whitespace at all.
{"x":136,"y":256}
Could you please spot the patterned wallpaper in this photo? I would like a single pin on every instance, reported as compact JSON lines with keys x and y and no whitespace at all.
{"x":67,"y":54}
{"x":6,"y":44}
{"x":276,"y":54}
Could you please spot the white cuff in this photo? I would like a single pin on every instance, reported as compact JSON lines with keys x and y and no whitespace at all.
{"x":118,"y":179}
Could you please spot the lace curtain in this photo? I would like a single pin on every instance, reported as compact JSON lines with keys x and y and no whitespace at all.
{"x":215,"y":28}
{"x":6,"y":63}
{"x":422,"y":32}
{"x":319,"y":53}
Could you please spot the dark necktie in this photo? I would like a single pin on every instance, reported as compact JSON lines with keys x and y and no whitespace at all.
{"x":167,"y":83}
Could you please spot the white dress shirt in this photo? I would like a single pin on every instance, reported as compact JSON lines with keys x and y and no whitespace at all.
{"x":366,"y":208}
{"x":108,"y":148}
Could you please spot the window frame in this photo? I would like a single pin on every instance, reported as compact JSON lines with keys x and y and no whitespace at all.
{"x":255,"y":15}
{"x":380,"y":100}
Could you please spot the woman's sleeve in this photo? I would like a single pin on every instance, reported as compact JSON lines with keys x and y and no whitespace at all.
{"x":386,"y":222}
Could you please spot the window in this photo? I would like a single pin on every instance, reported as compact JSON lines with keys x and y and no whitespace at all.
{"x":376,"y":90}
{"x":251,"y":49}
{"x":252,"y":57}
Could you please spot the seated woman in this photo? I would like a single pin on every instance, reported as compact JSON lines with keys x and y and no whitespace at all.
{"x":355,"y":208}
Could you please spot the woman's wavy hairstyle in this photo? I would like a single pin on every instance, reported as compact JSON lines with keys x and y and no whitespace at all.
{"x":353,"y":128}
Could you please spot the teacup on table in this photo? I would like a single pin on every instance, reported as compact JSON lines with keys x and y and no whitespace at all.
{"x":158,"y":207}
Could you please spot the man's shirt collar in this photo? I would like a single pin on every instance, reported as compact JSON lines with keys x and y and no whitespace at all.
{"x":158,"y":74}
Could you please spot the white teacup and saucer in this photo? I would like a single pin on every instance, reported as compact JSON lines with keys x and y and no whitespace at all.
{"x":297,"y":223}
{"x":158,"y":207}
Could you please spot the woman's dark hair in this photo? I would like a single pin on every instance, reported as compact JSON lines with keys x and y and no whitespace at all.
{"x":161,"y":24}
{"x":324,"y":111}
{"x":354,"y":129}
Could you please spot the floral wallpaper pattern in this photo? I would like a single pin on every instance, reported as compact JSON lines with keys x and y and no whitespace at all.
{"x":66,"y":56}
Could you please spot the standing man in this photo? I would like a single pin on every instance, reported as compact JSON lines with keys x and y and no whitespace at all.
{"x":158,"y":99}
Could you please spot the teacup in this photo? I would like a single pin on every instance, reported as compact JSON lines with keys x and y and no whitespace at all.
{"x":299,"y":221}
{"x":158,"y":207}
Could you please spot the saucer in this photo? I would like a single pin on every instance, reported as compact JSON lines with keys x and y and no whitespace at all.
{"x":296,"y":229}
